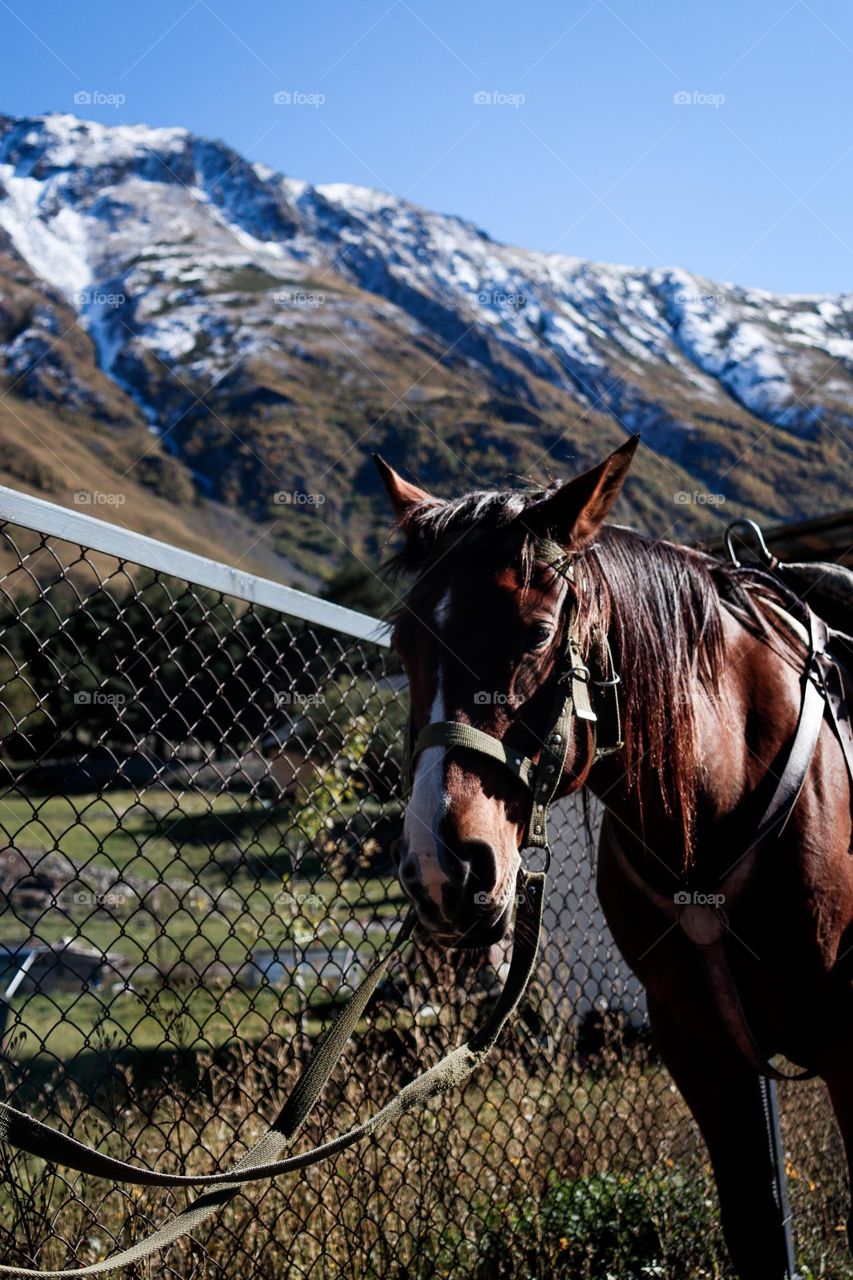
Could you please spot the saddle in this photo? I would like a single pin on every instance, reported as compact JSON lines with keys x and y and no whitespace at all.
{"x":828,"y":590}
{"x":823,"y":590}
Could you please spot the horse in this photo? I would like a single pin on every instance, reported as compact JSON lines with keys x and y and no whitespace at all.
{"x":712,"y":691}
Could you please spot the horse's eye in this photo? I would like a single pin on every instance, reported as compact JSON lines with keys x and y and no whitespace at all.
{"x":538,"y":637}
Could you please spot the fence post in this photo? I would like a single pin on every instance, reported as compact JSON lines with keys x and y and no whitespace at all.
{"x":6,"y":997}
{"x":770,"y":1102}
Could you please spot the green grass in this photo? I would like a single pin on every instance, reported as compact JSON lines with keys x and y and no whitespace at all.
{"x":203,"y":893}
{"x":182,"y":832}
{"x":65,"y":1025}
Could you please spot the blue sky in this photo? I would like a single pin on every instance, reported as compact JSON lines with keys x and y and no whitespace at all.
{"x":582,"y":149}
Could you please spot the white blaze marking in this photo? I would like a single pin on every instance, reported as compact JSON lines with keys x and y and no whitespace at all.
{"x":430,"y":801}
{"x":442,"y":612}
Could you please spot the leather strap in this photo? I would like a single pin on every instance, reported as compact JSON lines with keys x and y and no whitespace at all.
{"x":837,"y":705}
{"x":705,"y":926}
{"x":726,"y":997}
{"x":803,"y":744}
{"x":549,"y":771}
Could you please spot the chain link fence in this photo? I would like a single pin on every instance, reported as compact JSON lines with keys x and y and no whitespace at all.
{"x":200,"y":782}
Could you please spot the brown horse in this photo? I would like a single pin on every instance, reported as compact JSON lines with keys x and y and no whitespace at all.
{"x":712,"y":683}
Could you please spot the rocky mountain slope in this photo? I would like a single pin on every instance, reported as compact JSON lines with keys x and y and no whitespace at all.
{"x":178,"y":322}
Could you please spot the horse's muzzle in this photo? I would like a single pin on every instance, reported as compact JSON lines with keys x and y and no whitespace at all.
{"x":457,"y":903}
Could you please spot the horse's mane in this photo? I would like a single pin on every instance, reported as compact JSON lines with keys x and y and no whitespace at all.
{"x":660,"y":603}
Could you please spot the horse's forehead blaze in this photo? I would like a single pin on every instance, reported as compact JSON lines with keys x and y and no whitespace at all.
{"x":422,"y":660}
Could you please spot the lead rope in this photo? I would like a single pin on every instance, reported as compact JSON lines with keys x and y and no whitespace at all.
{"x":263,"y":1161}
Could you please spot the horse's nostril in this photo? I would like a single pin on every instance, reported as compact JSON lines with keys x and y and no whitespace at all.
{"x":477,"y":866}
{"x":457,"y":903}
{"x":409,"y":873}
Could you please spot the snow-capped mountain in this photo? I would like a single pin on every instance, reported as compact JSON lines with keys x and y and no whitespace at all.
{"x":272,"y":333}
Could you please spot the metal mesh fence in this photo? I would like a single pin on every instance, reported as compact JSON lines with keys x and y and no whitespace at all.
{"x":198,"y":798}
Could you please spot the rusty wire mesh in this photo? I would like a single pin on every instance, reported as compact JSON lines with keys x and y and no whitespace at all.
{"x":198,"y":799}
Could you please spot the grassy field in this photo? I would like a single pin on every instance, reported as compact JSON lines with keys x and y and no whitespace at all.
{"x":209,"y":886}
{"x":168,"y":834}
{"x":64,"y":1025}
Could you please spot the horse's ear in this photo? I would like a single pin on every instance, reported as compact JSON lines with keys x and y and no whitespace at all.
{"x":403,"y":495}
{"x":574,"y":513}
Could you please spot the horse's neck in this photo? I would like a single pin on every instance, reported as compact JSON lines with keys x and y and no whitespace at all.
{"x":740,"y":729}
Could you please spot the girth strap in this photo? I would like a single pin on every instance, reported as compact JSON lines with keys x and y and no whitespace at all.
{"x":263,"y":1160}
{"x":726,"y":997}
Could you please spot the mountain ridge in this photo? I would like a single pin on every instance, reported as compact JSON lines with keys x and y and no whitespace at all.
{"x":268,"y":333}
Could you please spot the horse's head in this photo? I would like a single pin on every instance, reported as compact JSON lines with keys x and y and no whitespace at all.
{"x":483,"y":635}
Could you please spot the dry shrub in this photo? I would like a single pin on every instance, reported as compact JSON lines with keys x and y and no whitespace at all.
{"x":546,"y":1165}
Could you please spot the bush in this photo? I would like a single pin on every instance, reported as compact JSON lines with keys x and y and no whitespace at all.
{"x":605,"y":1227}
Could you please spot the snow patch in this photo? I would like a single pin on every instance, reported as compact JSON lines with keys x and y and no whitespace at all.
{"x":69,"y":142}
{"x":55,"y":248}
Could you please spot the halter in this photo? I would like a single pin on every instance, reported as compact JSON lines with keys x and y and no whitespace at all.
{"x":542,"y":777}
